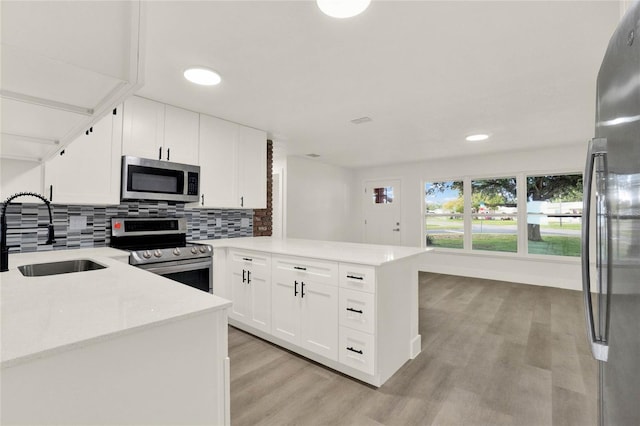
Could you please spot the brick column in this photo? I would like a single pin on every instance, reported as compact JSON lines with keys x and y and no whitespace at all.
{"x":263,"y":218}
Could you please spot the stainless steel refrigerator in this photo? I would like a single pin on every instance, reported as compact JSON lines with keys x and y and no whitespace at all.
{"x":612,"y":201}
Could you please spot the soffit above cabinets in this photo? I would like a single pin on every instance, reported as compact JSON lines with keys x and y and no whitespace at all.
{"x":64,"y":66}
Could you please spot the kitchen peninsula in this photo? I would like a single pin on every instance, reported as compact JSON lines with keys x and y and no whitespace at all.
{"x":352,"y":307}
{"x":117,"y":345}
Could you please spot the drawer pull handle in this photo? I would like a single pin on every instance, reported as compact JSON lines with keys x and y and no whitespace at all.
{"x":247,"y":259}
{"x":354,"y":310}
{"x":300,"y":268}
{"x":354,"y":350}
{"x":353,"y":277}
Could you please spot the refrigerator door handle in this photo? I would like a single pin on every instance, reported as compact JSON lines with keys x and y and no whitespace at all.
{"x":599,"y":347}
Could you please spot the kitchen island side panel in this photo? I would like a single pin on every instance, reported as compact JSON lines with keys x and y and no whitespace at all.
{"x":173,"y":373}
{"x":397,"y":315}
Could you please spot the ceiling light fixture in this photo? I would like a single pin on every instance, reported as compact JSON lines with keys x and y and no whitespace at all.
{"x":477,"y":138}
{"x":202,"y":76}
{"x":342,"y":8}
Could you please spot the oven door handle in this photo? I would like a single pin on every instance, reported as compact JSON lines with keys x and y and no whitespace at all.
{"x":163,"y":270}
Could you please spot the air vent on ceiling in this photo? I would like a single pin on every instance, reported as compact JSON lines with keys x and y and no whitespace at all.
{"x":361,"y":120}
{"x":313,"y":155}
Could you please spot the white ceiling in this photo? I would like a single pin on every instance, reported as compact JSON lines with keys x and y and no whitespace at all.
{"x":428,"y":73}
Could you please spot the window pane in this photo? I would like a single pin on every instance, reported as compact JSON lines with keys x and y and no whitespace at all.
{"x":444,"y":208}
{"x":494,"y":219}
{"x":383,"y":195}
{"x":554,"y":214}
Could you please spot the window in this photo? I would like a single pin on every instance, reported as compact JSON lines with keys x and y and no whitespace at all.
{"x":554,"y":214}
{"x":444,"y":214}
{"x":552,"y":207}
{"x":494,"y":215}
{"x":383,"y":195}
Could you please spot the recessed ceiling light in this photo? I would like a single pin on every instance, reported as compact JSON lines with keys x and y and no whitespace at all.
{"x":202,"y":76}
{"x":343,"y":8}
{"x":477,"y":138}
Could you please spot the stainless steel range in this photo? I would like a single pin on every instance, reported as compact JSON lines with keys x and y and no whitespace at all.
{"x":159,"y":245}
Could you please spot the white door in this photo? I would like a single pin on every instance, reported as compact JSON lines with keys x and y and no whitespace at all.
{"x":382,"y":212}
{"x":259,"y":284}
{"x":143,"y":128}
{"x":252,"y":168}
{"x":319,"y":318}
{"x":286,"y":307}
{"x":240,"y":294}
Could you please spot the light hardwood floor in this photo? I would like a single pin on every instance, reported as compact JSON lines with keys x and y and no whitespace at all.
{"x":493,"y":353}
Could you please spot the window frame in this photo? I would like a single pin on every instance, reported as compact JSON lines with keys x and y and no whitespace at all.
{"x":521,"y":194}
{"x":424,"y":215}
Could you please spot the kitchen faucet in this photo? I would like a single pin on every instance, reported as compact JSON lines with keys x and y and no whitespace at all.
{"x":4,"y":250}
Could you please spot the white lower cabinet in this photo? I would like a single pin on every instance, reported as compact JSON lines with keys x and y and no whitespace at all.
{"x":357,"y":349}
{"x":305,"y":304}
{"x":251,"y":288}
{"x":357,"y":310}
{"x":354,"y":318}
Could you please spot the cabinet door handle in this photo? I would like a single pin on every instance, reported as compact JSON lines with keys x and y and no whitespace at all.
{"x":353,"y":277}
{"x":300,"y":268}
{"x":203,"y":199}
{"x":168,"y":153}
{"x":358,"y":311}
{"x":241,"y":201}
{"x":354,"y":350}
{"x":295,"y":288}
{"x":160,"y":153}
{"x":248,"y":277}
{"x":302,"y":292}
{"x":50,"y":192}
{"x":243,"y":278}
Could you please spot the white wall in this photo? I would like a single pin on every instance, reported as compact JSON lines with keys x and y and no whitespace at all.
{"x":319,"y":200}
{"x":556,"y":272}
{"x":19,"y":176}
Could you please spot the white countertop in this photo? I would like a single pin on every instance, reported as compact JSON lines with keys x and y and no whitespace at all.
{"x":43,"y":315}
{"x":366,"y":254}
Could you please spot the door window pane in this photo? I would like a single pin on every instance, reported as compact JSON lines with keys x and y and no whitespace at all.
{"x":444,"y":214}
{"x":383,"y":195}
{"x":554,"y":214}
{"x":494,"y":215}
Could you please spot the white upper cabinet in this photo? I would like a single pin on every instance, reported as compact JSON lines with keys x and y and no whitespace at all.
{"x":252,"y":168}
{"x":154,"y":130}
{"x":233,"y":165}
{"x":87,"y":171}
{"x":65,"y":65}
{"x":218,"y":162}
{"x":181,"y":128}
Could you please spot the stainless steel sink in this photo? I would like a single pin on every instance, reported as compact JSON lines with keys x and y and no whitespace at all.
{"x":56,"y":268}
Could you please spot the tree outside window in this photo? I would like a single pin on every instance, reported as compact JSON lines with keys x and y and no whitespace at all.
{"x":444,"y":214}
{"x":554,"y":214}
{"x":494,"y":215}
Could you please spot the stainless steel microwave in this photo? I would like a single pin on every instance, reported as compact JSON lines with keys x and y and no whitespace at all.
{"x":146,"y":179}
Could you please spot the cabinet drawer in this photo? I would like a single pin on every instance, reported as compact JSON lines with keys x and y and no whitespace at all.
{"x":357,"y":350}
{"x":316,"y":270}
{"x":256,"y":260}
{"x":358,"y":277}
{"x":357,"y":310}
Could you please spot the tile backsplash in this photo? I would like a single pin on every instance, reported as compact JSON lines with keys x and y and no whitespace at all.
{"x":90,"y":226}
